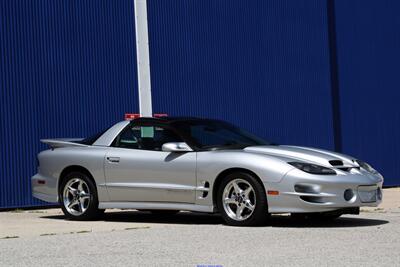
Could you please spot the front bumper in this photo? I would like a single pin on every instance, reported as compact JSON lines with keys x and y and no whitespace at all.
{"x":300,"y":192}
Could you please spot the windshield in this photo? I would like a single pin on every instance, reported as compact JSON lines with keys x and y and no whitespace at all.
{"x":214,"y":134}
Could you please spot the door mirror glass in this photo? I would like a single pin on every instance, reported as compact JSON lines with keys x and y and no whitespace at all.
{"x":176,"y":147}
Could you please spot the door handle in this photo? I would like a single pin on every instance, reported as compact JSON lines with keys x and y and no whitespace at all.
{"x":113,"y":159}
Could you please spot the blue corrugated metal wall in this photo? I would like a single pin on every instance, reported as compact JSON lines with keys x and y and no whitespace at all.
{"x":68,"y":69}
{"x":261,"y":64}
{"x":368,"y":41}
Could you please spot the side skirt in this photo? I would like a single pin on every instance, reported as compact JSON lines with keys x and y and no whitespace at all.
{"x":155,"y":206}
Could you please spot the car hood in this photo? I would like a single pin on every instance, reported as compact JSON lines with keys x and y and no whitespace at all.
{"x":304,"y":154}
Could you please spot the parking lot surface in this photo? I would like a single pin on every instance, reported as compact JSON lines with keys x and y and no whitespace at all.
{"x":132,"y":238}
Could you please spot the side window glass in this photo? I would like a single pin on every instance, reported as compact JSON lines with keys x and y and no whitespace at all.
{"x":146,"y":138}
{"x":129,"y":138}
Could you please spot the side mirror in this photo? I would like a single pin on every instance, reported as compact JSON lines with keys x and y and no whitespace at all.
{"x":176,"y":147}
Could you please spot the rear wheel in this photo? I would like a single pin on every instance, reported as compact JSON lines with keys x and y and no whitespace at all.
{"x":241,"y":200}
{"x":78,"y":197}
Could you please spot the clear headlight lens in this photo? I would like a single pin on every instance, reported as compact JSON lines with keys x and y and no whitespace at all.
{"x":312,"y":168}
{"x":366,"y":167}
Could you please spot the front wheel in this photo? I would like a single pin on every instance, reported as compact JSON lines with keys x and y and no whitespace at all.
{"x":241,"y":200}
{"x":78,"y":197}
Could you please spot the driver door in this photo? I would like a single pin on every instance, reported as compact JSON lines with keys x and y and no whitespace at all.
{"x":137,"y":169}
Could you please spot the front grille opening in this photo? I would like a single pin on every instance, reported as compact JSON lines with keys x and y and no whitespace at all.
{"x":336,"y":162}
{"x":306,"y":188}
{"x":312,"y":199}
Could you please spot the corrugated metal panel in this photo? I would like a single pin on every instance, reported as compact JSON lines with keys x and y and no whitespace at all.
{"x":263,"y":65}
{"x":368,"y":48}
{"x":68,"y":69}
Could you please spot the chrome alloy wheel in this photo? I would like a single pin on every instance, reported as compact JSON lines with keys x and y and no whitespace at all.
{"x":76,"y":196}
{"x":239,"y":199}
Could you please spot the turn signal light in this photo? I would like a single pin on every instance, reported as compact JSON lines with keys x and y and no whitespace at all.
{"x":273,"y":193}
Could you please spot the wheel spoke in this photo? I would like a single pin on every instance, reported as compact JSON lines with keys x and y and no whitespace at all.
{"x":249,"y":205}
{"x":72,"y":190}
{"x":72,"y":203}
{"x":81,"y":205}
{"x":80,"y":186}
{"x":236,"y":187}
{"x":247,"y":191}
{"x":230,"y":201}
{"x":85,"y":196}
{"x":239,"y":211}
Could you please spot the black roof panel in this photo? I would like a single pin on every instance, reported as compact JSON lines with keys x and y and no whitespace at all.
{"x":168,"y":119}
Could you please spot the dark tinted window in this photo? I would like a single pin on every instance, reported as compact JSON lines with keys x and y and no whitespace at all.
{"x":146,"y":137}
{"x":217,"y":134}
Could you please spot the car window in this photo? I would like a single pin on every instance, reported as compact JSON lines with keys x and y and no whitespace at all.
{"x":212,"y":134}
{"x":205,"y":134}
{"x":146,"y":137}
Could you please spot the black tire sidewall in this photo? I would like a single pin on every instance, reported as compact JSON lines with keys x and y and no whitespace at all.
{"x":260,"y":214}
{"x":92,"y":211}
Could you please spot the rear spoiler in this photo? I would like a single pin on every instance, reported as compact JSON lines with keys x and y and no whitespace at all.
{"x":62,"y":142}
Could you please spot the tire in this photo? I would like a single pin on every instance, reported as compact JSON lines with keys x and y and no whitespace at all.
{"x":78,"y":197}
{"x":247,"y":208}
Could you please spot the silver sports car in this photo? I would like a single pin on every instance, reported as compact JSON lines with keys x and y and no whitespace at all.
{"x":169,"y":164}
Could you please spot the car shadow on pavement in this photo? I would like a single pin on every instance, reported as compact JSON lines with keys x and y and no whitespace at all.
{"x":193,"y":218}
{"x":147,"y":217}
{"x":342,"y":222}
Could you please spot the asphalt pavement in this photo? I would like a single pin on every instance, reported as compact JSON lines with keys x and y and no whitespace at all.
{"x":132,"y":238}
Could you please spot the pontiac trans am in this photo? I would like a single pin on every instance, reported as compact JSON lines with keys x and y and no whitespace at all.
{"x":166,"y":165}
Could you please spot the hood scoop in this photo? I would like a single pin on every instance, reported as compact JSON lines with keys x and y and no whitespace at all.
{"x":335,"y":163}
{"x":341,"y":166}
{"x":317,"y":156}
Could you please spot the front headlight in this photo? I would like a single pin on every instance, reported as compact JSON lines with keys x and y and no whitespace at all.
{"x":366,"y":167}
{"x":312,"y":168}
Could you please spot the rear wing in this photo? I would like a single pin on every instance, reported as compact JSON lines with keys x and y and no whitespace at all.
{"x":63,"y":142}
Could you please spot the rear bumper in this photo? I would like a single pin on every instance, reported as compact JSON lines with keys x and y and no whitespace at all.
{"x":300,"y":192}
{"x":44,"y":188}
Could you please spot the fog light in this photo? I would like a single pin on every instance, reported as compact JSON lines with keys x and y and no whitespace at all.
{"x":349,"y":195}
